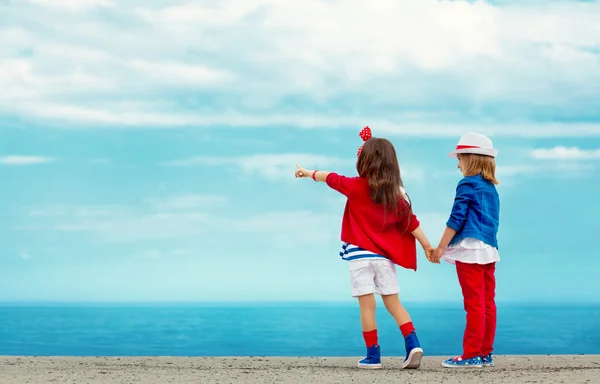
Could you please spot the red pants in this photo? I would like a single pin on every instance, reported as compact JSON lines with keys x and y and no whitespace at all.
{"x":478,"y":285}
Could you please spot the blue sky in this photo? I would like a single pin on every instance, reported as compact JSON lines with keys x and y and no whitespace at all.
{"x":147,"y":150}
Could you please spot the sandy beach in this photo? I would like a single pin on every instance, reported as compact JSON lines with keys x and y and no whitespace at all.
{"x":151,"y":370}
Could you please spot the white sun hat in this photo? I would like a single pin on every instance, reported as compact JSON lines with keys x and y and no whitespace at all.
{"x":475,"y":143}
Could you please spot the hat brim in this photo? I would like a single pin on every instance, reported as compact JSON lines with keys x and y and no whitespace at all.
{"x":476,"y":151}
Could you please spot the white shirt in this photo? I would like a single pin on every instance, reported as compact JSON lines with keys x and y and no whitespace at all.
{"x":471,"y":251}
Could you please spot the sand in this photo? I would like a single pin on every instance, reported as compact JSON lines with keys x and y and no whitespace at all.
{"x":151,"y":370}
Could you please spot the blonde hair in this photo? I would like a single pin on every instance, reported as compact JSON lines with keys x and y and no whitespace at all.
{"x":473,"y":164}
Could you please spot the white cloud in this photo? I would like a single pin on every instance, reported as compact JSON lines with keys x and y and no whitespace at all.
{"x":181,"y":218}
{"x":74,"y":5}
{"x":19,"y":75}
{"x":172,"y":72}
{"x":137,"y":226}
{"x":271,"y":166}
{"x":508,"y":174}
{"x":160,"y":207}
{"x":223,"y":13}
{"x":238,"y":63}
{"x":566,"y":153}
{"x":25,"y":255}
{"x":25,"y":160}
{"x":131,"y":225}
{"x":282,"y":166}
{"x":139,"y":116}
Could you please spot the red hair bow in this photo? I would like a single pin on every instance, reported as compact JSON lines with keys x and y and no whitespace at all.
{"x":365,"y":134}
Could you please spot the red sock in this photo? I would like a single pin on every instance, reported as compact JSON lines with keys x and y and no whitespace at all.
{"x":407,"y":328}
{"x":370,"y":338}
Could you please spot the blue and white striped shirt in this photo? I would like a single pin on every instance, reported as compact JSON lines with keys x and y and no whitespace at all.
{"x":351,"y":252}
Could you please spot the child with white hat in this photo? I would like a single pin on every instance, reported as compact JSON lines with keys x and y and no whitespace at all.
{"x":470,"y":243}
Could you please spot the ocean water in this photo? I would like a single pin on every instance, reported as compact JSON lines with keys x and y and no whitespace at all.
{"x":306,"y":329}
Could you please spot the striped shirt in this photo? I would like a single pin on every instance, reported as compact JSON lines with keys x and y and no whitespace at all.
{"x":351,"y":252}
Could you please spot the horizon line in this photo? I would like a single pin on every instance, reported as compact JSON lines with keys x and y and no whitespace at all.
{"x":277,"y":302}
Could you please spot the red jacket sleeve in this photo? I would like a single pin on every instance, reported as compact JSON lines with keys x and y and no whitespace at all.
{"x":414,"y":223}
{"x":342,"y":184}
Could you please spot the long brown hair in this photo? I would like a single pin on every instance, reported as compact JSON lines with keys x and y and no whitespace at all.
{"x":474,"y":164}
{"x":379,"y":164}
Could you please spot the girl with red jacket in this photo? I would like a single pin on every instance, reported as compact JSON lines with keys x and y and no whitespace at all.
{"x":378,"y":232}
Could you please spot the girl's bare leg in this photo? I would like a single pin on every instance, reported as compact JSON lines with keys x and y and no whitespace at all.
{"x":396,"y":309}
{"x":367,"y":305}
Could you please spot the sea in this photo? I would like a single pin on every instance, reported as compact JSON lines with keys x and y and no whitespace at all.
{"x":280,"y":329}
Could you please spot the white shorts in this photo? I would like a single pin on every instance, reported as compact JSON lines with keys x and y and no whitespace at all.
{"x":373,"y":276}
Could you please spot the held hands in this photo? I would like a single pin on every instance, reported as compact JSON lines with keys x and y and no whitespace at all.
{"x":429,"y":253}
{"x":433,"y":254}
{"x":437,"y":255}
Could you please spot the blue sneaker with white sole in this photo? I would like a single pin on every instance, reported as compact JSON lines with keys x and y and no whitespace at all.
{"x":373,"y":359}
{"x":414,"y":352}
{"x":488,"y":361}
{"x":459,"y":362}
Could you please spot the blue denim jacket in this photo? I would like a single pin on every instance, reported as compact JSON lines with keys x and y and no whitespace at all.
{"x":476,"y":211}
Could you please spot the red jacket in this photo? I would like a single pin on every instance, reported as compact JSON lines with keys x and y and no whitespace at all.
{"x":363,"y":223}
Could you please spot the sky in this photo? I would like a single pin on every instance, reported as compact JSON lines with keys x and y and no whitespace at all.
{"x":148,"y":149}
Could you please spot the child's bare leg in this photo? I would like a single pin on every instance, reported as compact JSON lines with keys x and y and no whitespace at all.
{"x":396,"y":309}
{"x":367,"y":312}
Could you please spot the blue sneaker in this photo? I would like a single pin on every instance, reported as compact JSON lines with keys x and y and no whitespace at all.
{"x":458,"y":362}
{"x":414,"y":352}
{"x":488,"y":361}
{"x":373,"y":359}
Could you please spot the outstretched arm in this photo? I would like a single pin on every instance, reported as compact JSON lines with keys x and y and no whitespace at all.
{"x":318,"y":175}
{"x":342,"y":184}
